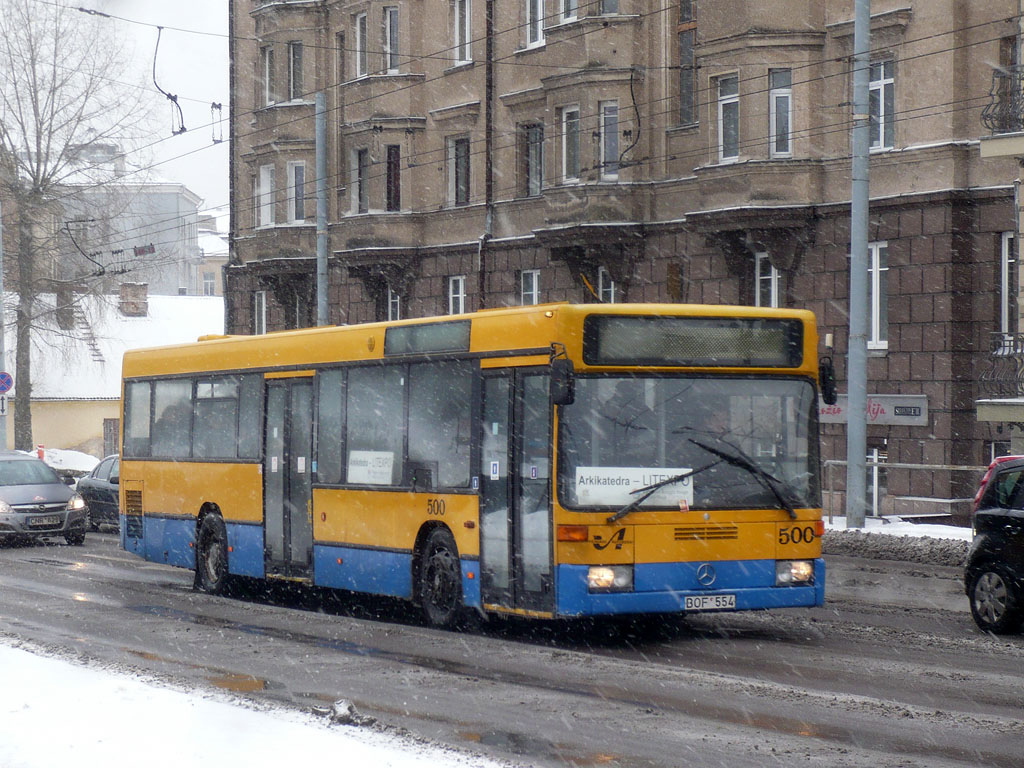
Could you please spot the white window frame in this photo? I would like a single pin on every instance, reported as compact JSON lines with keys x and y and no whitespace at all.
{"x":296,"y":192}
{"x":529,"y":287}
{"x":609,"y":132}
{"x":878,"y":331}
{"x":882,"y":89}
{"x":259,"y":312}
{"x":570,"y":9}
{"x":265,"y":206}
{"x":780,"y":101}
{"x":606,"y":288}
{"x":766,"y":279}
{"x":1008,"y":283}
{"x":570,"y":175}
{"x":361,"y":53}
{"x":267,"y":73}
{"x":457,"y":295}
{"x":534,"y":14}
{"x":209,"y":284}
{"x":392,"y":39}
{"x":462,"y":24}
{"x":453,"y":170}
{"x":728,"y":101}
{"x":360,"y":182}
{"x":394,"y":304}
{"x":532,"y":158}
{"x":295,"y":71}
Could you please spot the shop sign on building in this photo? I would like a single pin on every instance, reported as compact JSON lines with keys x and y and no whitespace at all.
{"x":903,"y":410}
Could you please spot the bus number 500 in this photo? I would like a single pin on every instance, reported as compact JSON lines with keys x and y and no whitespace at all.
{"x":796,"y":535}
{"x":435,"y":507}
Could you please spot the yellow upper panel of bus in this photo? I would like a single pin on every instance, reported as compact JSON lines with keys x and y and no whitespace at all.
{"x":507,"y":331}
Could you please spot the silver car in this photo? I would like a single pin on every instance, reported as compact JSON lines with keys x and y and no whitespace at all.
{"x":35,"y":502}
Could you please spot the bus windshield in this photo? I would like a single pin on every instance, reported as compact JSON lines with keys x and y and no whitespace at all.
{"x":749,"y":442}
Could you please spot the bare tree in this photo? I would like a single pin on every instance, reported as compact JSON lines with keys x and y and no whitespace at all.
{"x":64,"y":99}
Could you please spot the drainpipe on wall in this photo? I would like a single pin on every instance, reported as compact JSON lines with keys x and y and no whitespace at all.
{"x":488,"y":153}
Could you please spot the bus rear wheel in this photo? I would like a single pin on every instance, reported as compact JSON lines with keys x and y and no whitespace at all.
{"x":440,"y":579}
{"x":212,"y":556}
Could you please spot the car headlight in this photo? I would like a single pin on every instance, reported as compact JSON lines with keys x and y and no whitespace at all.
{"x":610,"y":578}
{"x":790,"y":572}
{"x":75,"y":503}
{"x":5,"y":508}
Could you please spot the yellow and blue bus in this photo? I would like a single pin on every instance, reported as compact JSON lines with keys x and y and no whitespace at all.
{"x":549,"y":461}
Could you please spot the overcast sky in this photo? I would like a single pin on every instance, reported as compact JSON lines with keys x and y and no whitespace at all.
{"x":194,"y":67}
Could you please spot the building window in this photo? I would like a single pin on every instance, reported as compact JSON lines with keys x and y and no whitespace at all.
{"x":296,"y":192}
{"x":570,"y":144}
{"x":534,"y":23}
{"x":391,"y":40}
{"x":394,"y":304}
{"x":609,"y":131}
{"x":881,"y":104}
{"x":458,"y":171}
{"x":531,"y":159}
{"x":393,"y":178}
{"x":266,"y":196}
{"x":259,"y":312}
{"x":339,"y":60}
{"x":529,"y":287}
{"x":295,"y":71}
{"x":878,"y":295}
{"x":362,"y":55}
{"x":605,"y":286}
{"x":780,"y":98}
{"x":1008,"y":284}
{"x":570,"y":8}
{"x":687,"y":33}
{"x":461,"y":40}
{"x":267,"y":74}
{"x":457,"y":295}
{"x":361,"y":180}
{"x":728,"y":118}
{"x":609,"y":6}
{"x":209,"y":284}
{"x":767,"y":280}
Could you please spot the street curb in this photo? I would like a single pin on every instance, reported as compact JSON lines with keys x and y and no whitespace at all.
{"x":882,"y":546}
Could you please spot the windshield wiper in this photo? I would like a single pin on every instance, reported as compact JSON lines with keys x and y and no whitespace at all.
{"x":763,"y":476}
{"x":648,"y":490}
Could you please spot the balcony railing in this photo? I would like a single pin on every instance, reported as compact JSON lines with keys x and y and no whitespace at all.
{"x":1005,"y":110}
{"x":1003,"y":375}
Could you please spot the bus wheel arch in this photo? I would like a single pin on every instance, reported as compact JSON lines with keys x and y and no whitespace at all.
{"x":437,"y":575}
{"x":211,"y":551}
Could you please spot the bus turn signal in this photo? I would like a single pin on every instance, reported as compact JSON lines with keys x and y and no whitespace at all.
{"x":573,"y":533}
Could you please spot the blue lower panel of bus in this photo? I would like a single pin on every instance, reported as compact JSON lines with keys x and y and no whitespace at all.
{"x":246,"y":545}
{"x":170,"y":541}
{"x":664,"y":587}
{"x":380,"y":572}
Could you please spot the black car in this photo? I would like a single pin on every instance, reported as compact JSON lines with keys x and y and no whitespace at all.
{"x":36,"y":503}
{"x":100,"y":490}
{"x":994,"y":575}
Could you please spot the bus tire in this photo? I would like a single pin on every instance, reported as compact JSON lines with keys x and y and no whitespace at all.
{"x":440,"y":579}
{"x":212,"y":556}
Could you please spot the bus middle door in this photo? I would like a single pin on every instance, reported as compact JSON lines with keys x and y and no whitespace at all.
{"x":287,"y":478}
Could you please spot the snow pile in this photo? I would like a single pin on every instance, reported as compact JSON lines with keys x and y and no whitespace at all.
{"x":72,"y":461}
{"x":54,"y":712}
{"x":895,"y":539}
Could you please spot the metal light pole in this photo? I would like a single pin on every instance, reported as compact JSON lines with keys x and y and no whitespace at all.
{"x":3,"y":330}
{"x":856,"y":366}
{"x":321,"y":209}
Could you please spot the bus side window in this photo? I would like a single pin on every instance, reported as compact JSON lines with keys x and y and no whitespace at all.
{"x":439,"y":418}
{"x":137,"y":396}
{"x":375,"y":432}
{"x":250,"y":413}
{"x":172,"y":425}
{"x":330,"y":426}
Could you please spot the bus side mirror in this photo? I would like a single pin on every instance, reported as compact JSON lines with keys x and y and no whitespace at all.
{"x":563,"y":382}
{"x":827,"y":381}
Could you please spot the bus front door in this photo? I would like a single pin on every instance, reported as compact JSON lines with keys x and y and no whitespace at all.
{"x":288,"y":446}
{"x":515,"y":482}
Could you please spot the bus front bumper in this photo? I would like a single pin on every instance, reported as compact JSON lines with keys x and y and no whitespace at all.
{"x":742,"y":585}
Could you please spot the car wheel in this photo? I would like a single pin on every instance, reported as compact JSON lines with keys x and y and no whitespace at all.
{"x":440,"y":579}
{"x":212,"y":556}
{"x":994,"y":603}
{"x":75,"y":538}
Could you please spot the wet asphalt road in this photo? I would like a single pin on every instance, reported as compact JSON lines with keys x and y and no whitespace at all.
{"x":891,"y":672}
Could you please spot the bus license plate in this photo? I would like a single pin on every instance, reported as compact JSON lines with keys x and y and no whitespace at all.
{"x":709,"y":602}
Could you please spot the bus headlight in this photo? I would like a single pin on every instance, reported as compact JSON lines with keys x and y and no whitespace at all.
{"x":610,"y":578}
{"x":790,"y":572}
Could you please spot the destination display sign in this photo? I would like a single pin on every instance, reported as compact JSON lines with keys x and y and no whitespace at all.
{"x":895,"y":410}
{"x":601,"y":486}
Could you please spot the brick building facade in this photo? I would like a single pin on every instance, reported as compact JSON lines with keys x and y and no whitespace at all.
{"x":486,"y":153}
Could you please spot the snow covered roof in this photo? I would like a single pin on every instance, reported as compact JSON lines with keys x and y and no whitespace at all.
{"x":85,"y":362}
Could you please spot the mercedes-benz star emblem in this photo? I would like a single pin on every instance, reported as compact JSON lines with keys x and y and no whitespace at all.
{"x":706,"y":574}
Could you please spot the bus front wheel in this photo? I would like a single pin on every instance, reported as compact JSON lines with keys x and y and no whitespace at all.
{"x":212,"y":555}
{"x":440,"y":579}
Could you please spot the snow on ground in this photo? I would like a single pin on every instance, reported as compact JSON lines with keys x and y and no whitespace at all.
{"x":55,"y":712}
{"x":891,"y":538}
